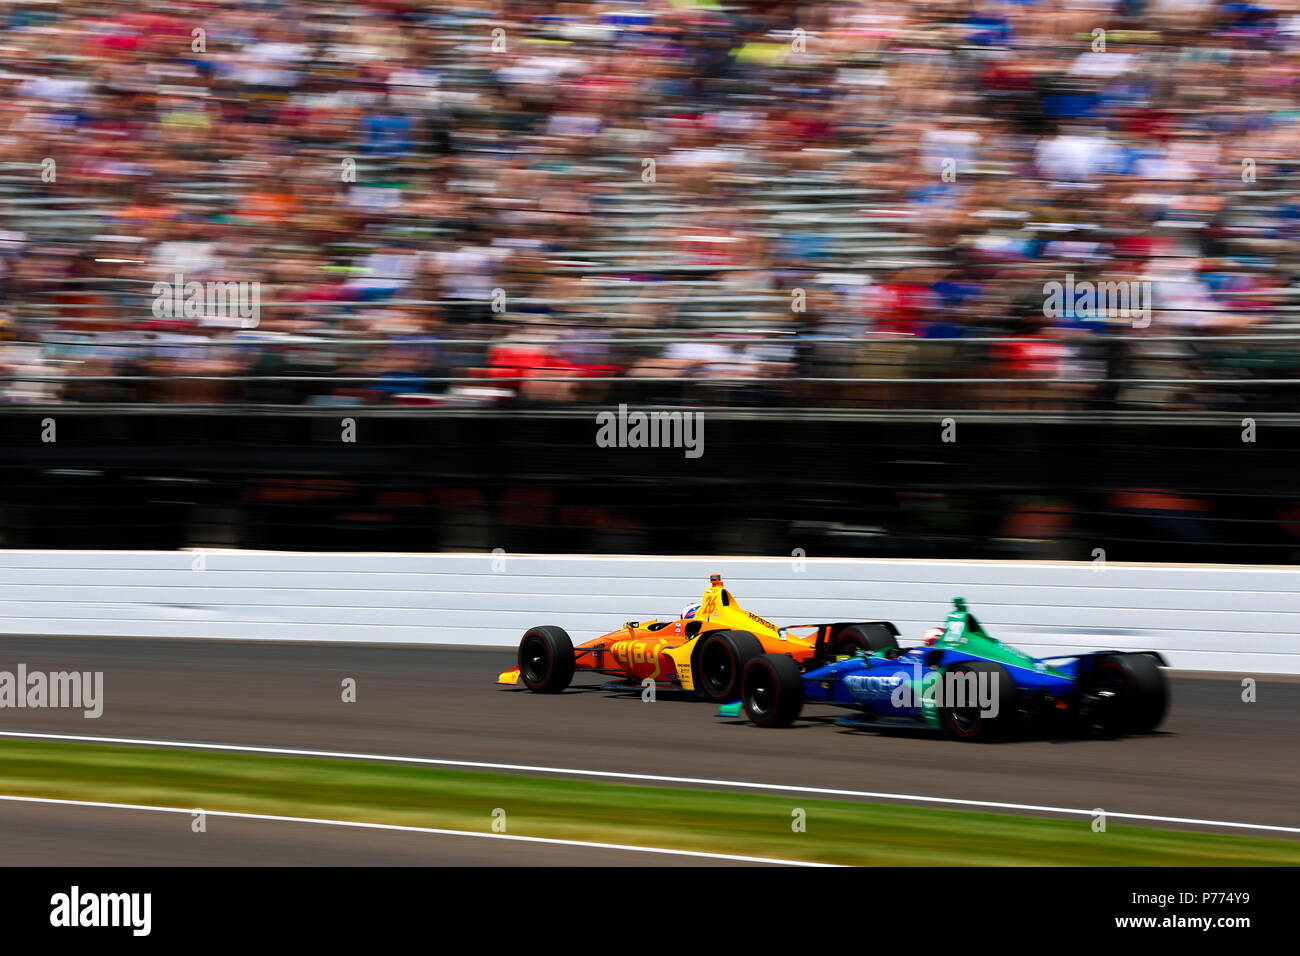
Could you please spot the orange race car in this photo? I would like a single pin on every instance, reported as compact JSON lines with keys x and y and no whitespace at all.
{"x":704,"y":650}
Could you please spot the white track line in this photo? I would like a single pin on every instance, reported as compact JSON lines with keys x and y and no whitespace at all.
{"x":234,"y":815}
{"x":649,"y":777}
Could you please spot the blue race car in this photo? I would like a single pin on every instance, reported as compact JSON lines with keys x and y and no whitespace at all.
{"x":966,"y":683}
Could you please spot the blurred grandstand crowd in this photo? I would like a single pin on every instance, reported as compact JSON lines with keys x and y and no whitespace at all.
{"x":830,"y":204}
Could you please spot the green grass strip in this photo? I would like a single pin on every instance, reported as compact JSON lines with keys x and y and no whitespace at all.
{"x":740,"y":823}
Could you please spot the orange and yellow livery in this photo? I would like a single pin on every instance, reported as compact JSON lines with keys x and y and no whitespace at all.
{"x":703,"y":652}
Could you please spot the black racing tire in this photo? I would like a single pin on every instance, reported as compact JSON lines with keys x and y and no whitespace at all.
{"x":718,"y":662}
{"x":546,"y":662}
{"x":1138,"y":694}
{"x":973,"y":723}
{"x":864,"y":637}
{"x":772,"y":690}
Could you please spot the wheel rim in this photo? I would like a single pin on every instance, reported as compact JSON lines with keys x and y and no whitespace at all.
{"x":964,"y":720}
{"x":719,"y":671}
{"x":1110,"y":697}
{"x":535,"y":660}
{"x":761,"y":693}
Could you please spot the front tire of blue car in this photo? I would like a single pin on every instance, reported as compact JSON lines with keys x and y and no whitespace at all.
{"x":772,"y":690}
{"x":977,"y":723}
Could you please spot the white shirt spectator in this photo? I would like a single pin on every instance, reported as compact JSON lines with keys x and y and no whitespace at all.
{"x":1075,"y":157}
{"x":385,"y":271}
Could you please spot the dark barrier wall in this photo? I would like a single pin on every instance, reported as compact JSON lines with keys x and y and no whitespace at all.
{"x":426,"y":480}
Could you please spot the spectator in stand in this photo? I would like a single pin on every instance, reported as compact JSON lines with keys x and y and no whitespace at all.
{"x":518,"y":176}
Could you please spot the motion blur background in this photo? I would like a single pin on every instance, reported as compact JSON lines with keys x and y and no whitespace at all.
{"x":827,"y":227}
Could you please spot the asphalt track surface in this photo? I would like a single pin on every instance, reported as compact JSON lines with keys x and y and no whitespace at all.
{"x":1216,"y":757}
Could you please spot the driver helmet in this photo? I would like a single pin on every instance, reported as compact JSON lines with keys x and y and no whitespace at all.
{"x":688,"y":612}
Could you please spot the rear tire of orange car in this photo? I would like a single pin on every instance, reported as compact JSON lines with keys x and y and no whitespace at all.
{"x":772,"y":690}
{"x":718,"y":662}
{"x":546,"y":662}
{"x":864,"y":637}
